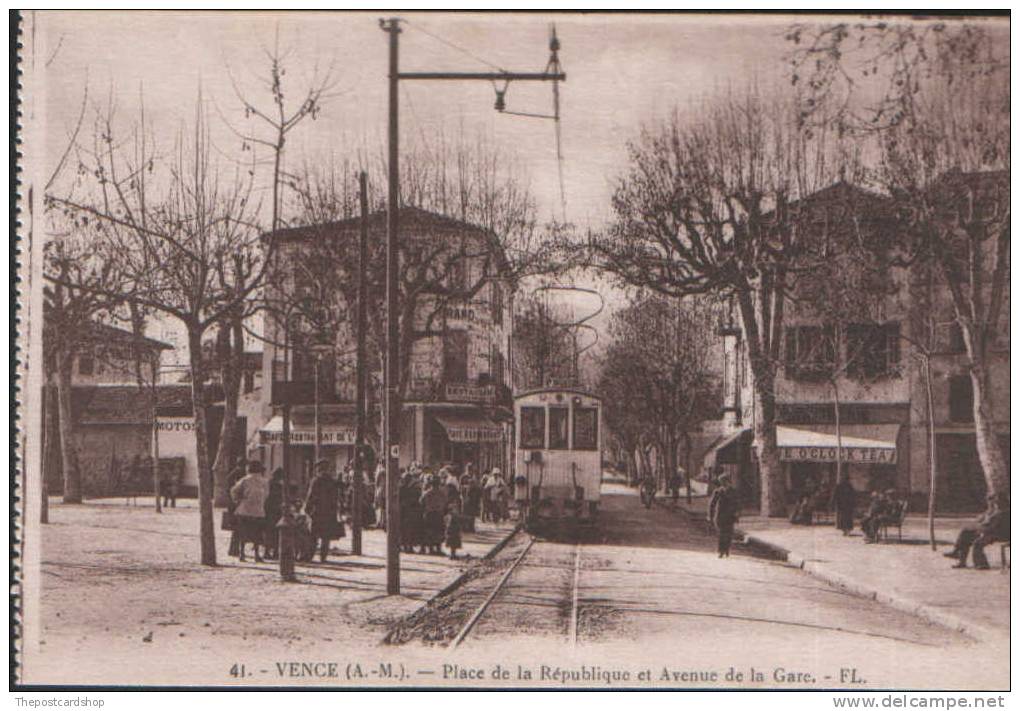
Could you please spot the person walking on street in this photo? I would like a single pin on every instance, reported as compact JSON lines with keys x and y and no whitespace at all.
{"x":844,"y":500}
{"x":249,"y":497}
{"x":723,"y":513}
{"x":321,"y":506}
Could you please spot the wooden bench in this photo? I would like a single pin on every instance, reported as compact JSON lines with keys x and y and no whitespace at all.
{"x":901,"y":515}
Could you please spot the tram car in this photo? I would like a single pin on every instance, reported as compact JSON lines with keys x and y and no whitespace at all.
{"x":558,"y":457}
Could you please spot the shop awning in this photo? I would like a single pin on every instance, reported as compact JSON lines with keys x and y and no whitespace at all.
{"x":860,"y":444}
{"x":717,"y":453}
{"x":469,"y":428}
{"x":304,"y":434}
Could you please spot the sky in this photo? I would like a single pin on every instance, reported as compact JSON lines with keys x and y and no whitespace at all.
{"x":623,"y":70}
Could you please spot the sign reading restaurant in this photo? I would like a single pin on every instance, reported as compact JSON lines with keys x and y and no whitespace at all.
{"x":467,"y":392}
{"x":853,"y":455}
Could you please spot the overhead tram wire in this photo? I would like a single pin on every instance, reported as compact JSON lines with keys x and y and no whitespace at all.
{"x":552,"y":67}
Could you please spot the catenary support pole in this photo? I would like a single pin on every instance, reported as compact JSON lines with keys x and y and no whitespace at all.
{"x":359,"y":410}
{"x":391,"y":425}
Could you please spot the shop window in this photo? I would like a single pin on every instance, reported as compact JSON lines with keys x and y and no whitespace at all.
{"x":961,"y":399}
{"x":249,"y":381}
{"x":872,"y":351}
{"x":810,"y":351}
{"x":559,"y":418}
{"x":86,"y":364}
{"x":586,"y":428}
{"x":533,"y":428}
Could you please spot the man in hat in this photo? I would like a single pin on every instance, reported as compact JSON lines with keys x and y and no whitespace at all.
{"x":722,"y":512}
{"x":321,"y":507}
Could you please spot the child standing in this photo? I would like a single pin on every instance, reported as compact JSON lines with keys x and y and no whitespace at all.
{"x":453,"y":525}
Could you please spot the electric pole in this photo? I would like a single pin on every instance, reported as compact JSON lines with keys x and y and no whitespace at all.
{"x":359,"y":396}
{"x":391,"y":414}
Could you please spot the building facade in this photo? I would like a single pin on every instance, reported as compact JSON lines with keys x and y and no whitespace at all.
{"x":455,"y":335}
{"x":857,"y":391}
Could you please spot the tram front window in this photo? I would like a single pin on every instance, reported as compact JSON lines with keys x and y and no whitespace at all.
{"x":532,"y":428}
{"x":586,"y":428}
{"x":559,"y":419}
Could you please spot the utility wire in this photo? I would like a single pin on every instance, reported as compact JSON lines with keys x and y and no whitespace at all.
{"x":454,"y":46}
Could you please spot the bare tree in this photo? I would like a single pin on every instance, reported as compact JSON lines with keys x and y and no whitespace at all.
{"x":943,"y":128}
{"x":491,"y":235}
{"x":82,"y":286}
{"x":266,"y":129}
{"x":709,"y":205}
{"x":180,"y":229}
{"x":543,"y":343}
{"x":659,"y":364}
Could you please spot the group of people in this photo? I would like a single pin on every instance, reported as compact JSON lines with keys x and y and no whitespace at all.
{"x":435,"y":507}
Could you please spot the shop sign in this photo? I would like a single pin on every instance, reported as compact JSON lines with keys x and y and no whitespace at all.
{"x":480,"y":433}
{"x":466,"y":392}
{"x":183,"y":424}
{"x":337,"y":437}
{"x":853,"y":455}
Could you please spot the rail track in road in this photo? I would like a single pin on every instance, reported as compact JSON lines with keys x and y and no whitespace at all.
{"x":534,"y":587}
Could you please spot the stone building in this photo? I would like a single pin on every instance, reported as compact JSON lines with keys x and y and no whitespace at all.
{"x":455,"y":381}
{"x":870,"y":372}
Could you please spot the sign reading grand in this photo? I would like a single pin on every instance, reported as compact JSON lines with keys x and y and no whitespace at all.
{"x":853,"y":455}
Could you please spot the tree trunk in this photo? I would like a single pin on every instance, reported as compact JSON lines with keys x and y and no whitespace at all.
{"x":68,"y":452}
{"x":989,"y":452}
{"x":773,"y":484}
{"x":207,"y":534}
{"x":690,"y":474}
{"x":49,"y":435}
{"x":232,"y":360}
{"x":632,"y":466}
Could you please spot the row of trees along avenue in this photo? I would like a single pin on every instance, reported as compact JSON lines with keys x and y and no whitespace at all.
{"x":139,"y":229}
{"x":712,"y":200}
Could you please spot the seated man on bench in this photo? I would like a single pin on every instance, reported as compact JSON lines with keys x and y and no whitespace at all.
{"x":992,"y":526}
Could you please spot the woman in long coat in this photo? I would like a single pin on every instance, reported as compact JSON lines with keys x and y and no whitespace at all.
{"x":433,"y":503}
{"x":844,"y":499}
{"x":321,"y":505}
{"x":410,"y":513}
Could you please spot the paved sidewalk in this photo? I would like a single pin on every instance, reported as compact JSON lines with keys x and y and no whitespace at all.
{"x":124,"y":598}
{"x":906,"y":574}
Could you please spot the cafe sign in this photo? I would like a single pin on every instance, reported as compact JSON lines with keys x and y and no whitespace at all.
{"x":342,"y":436}
{"x":852,"y":455}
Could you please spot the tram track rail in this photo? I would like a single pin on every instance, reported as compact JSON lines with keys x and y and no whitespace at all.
{"x":490,"y":600}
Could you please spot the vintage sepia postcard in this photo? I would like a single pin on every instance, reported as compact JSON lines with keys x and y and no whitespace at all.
{"x":513,"y":350}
